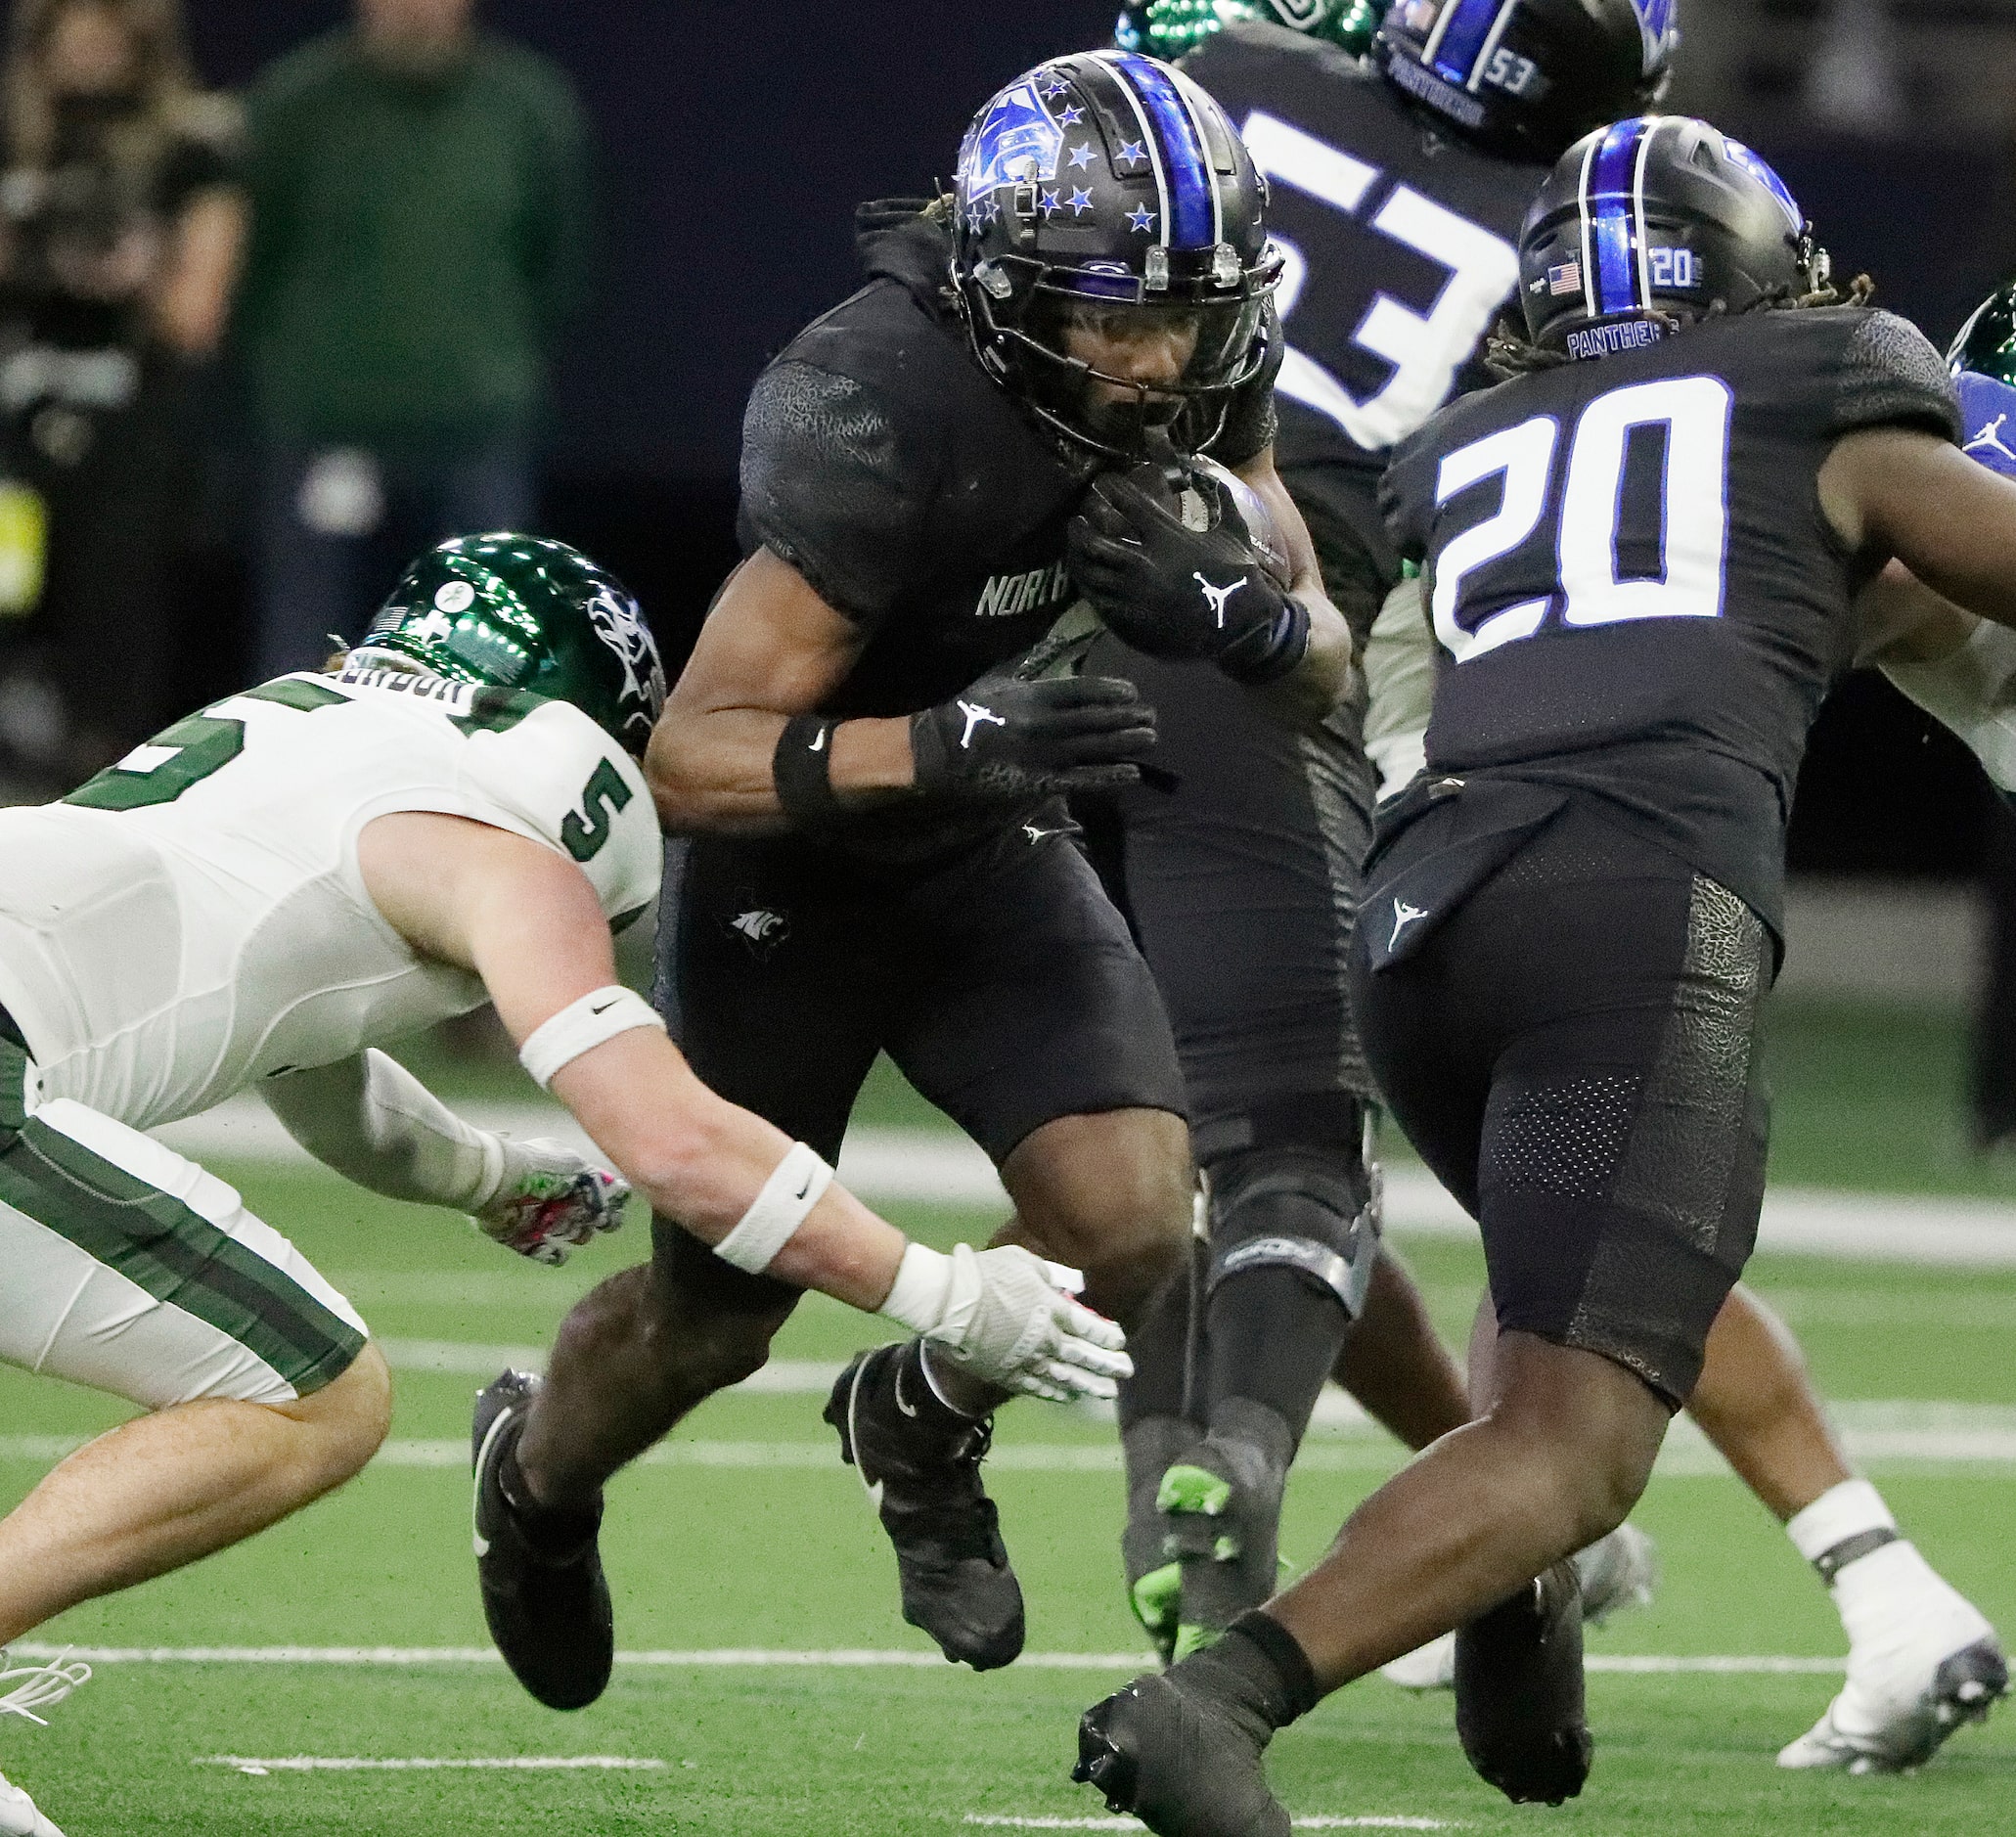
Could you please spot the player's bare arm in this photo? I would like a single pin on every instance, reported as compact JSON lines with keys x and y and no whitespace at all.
{"x":770,"y":649}
{"x":529,"y":924}
{"x":741,"y":752}
{"x":1322,"y":678}
{"x":1918,"y":498}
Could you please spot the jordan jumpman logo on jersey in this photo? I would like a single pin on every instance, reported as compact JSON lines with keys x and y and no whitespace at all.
{"x":1990,"y":437}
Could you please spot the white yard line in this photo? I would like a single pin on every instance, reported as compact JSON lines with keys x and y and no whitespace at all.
{"x":934,"y":1167}
{"x":512,"y":1762}
{"x":737,"y":1658}
{"x":1910,"y":1434}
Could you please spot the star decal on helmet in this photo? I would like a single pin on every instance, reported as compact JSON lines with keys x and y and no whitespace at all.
{"x":1142,"y":219}
{"x":1047,"y":202}
{"x":1071,"y":116}
{"x":1132,"y":153}
{"x":1079,"y":200}
{"x":1080,"y":157}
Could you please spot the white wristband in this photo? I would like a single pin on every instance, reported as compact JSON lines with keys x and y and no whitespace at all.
{"x":771,"y":1222}
{"x":919,"y":1296}
{"x":581,"y":1025}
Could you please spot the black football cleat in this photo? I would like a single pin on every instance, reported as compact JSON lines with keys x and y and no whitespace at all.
{"x":920,"y":1463}
{"x":1186,"y":1766}
{"x":545,"y":1597}
{"x":1519,"y":1691}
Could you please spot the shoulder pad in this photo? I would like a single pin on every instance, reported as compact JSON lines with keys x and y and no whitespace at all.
{"x":553,"y":775}
{"x":830,"y":482}
{"x":1889,"y":374}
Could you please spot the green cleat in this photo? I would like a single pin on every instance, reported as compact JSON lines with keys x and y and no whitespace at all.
{"x":1157,"y":1604}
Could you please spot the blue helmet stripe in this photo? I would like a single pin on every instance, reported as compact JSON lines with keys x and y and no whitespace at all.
{"x":1193,"y":196}
{"x":1460,"y":36}
{"x":1610,"y":205}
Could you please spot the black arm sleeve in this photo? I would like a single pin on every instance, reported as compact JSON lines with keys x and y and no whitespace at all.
{"x":831,"y":484}
{"x":1890,"y":376}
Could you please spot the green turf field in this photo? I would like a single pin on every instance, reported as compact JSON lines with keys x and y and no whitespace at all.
{"x":750,"y":1537}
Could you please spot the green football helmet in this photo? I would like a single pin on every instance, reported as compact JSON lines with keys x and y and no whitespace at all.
{"x":1171,"y":28}
{"x":518,"y":612}
{"x":1986,"y":344}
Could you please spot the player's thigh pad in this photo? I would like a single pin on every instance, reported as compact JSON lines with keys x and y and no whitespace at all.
{"x":1611,"y":1000}
{"x":129,"y":1268}
{"x":1026,"y":998}
{"x":770,"y":977}
{"x":1242,"y":883}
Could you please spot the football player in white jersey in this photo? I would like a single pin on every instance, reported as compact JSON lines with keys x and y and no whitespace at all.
{"x":452,"y":814}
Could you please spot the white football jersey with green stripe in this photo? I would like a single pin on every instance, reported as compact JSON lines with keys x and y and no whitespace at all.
{"x":193,"y":919}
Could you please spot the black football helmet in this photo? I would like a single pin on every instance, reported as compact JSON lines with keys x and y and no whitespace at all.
{"x":1656,"y":219}
{"x":1524,"y":77}
{"x":1108,"y":184}
{"x":1986,"y":344}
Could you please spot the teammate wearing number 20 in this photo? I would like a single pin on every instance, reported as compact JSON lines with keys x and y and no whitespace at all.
{"x":1641,"y":556}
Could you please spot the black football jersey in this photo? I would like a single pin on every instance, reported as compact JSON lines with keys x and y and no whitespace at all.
{"x":915,"y":496}
{"x":1402,"y":246}
{"x":1633,"y":588}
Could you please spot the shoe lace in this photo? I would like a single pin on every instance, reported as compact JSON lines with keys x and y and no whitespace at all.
{"x":41,"y":1686}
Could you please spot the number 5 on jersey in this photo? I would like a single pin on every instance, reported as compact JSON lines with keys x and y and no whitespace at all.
{"x":1593,"y":587}
{"x":587,"y":829}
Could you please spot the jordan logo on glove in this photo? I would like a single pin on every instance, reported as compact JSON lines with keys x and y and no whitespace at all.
{"x":1218,"y":596}
{"x":977,"y":715}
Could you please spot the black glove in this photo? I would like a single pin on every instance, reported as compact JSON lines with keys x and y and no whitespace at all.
{"x":1004,"y":740}
{"x":1179,"y":592}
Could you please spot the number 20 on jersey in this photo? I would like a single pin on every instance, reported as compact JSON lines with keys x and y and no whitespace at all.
{"x":1587,"y":507}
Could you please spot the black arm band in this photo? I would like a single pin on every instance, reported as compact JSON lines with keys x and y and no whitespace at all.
{"x":801,"y":768}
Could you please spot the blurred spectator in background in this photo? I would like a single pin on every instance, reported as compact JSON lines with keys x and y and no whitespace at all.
{"x":420,"y":223}
{"x":120,"y":229}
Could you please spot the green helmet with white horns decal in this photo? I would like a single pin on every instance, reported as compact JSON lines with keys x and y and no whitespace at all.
{"x":520,"y":613}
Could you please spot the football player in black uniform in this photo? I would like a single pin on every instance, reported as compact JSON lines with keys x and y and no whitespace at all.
{"x":1397,"y":198}
{"x":1641,"y":556}
{"x":1400,"y":184}
{"x":878,"y":857}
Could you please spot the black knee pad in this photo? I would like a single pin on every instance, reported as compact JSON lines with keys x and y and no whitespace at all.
{"x":1313,"y":1209}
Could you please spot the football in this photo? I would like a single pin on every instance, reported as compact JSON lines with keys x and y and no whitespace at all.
{"x":1061,"y":650}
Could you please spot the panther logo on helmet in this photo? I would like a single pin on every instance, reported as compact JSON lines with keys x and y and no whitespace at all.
{"x":618,"y":624}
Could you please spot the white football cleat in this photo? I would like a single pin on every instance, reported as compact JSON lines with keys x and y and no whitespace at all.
{"x":18,"y":1815}
{"x":1430,"y":1667}
{"x":1617,"y":1572}
{"x":1918,"y":1674}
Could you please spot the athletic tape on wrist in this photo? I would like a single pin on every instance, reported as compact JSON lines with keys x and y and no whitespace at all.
{"x":801,"y":769}
{"x":599,"y":1015}
{"x":773,"y":1219}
